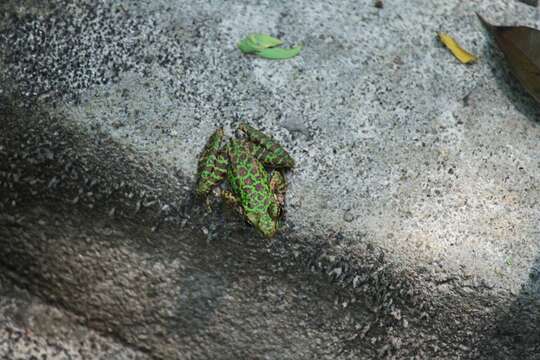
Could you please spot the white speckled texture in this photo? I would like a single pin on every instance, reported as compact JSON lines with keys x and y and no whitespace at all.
{"x":397,"y":144}
{"x":430,"y":159}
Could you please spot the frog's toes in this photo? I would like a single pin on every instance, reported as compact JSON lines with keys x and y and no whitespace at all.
{"x":228,"y":197}
{"x":231,"y":200}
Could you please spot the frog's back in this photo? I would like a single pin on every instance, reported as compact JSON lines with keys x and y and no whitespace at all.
{"x":248,"y":179}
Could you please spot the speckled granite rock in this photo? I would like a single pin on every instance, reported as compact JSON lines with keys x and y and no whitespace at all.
{"x":31,"y":329}
{"x":415,"y":191}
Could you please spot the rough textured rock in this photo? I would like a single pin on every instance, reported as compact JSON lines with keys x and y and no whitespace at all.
{"x":31,"y":329}
{"x":412,"y":216}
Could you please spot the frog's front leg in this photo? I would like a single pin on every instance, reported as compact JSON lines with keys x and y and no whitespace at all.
{"x":278,"y":186}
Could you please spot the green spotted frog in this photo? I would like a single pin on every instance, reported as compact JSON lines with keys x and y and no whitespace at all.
{"x":256,"y":193}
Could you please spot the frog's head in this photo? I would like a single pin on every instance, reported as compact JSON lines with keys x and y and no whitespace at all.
{"x":264,"y":223}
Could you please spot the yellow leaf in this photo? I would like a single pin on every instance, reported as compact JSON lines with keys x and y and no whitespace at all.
{"x":463,"y":56}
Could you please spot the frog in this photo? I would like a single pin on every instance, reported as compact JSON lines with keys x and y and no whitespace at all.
{"x":253,"y":167}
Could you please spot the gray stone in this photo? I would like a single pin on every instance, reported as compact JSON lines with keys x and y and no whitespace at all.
{"x":32,"y":329}
{"x":438,"y":160}
{"x":348,"y":216}
{"x":295,"y":124}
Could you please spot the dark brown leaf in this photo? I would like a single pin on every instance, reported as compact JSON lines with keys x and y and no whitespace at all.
{"x":521,"y":48}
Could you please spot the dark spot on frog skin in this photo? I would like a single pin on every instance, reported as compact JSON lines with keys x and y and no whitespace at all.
{"x":242,"y":172}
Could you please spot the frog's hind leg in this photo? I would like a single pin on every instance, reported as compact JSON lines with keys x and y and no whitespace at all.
{"x":212,"y":165}
{"x":210,"y":178}
{"x":266,"y":149}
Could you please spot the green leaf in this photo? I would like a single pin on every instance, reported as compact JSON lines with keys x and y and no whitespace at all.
{"x":246,"y":46}
{"x":257,"y":42}
{"x":279,"y":53}
{"x":265,"y":41}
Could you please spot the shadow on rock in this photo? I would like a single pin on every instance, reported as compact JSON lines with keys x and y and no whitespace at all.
{"x":93,"y":228}
{"x":516,"y":333}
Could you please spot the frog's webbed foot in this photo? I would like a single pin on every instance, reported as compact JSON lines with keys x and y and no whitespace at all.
{"x":231,"y":200}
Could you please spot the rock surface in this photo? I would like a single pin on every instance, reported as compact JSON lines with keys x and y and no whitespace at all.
{"x":31,"y":329}
{"x":412,"y":215}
